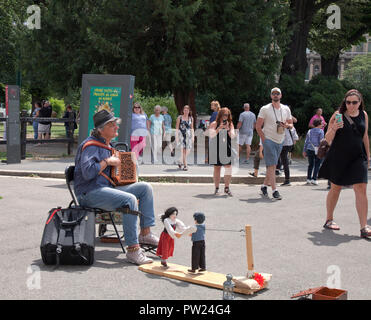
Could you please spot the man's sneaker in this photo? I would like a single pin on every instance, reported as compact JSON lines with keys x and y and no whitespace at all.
{"x":264,"y":191}
{"x":138,"y":257}
{"x":149,"y":239}
{"x":276,"y":195}
{"x":314,"y":182}
{"x":286,"y":183}
{"x":309,"y":182}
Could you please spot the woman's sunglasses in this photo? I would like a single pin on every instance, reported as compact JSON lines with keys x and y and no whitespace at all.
{"x":351,"y":102}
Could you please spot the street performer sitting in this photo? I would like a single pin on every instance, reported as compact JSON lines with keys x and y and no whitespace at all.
{"x":94,"y":190}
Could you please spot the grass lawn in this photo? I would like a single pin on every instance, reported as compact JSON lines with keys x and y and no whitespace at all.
{"x":58,"y":131}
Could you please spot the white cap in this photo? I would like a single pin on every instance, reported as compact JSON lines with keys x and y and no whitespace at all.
{"x":276,"y":90}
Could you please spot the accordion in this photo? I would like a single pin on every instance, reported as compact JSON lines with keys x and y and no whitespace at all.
{"x":126,"y":172}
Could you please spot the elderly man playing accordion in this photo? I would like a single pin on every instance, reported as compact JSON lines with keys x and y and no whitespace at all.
{"x":93,"y":187}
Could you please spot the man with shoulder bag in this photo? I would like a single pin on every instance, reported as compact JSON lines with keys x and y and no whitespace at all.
{"x":272,"y":121}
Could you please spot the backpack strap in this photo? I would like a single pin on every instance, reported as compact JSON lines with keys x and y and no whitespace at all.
{"x":101,"y":145}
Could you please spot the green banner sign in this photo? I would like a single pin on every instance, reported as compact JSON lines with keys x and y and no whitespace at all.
{"x":103,"y":98}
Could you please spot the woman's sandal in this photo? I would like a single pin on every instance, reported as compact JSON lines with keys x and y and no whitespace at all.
{"x":331,"y":225}
{"x":185,"y":168}
{"x":228,"y":191}
{"x":366,"y":232}
{"x":216,"y":191}
{"x":179,"y":165}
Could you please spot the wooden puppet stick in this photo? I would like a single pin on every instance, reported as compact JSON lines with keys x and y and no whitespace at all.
{"x":250,"y":258}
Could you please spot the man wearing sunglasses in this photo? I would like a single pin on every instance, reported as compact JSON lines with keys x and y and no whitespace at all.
{"x":272,"y":120}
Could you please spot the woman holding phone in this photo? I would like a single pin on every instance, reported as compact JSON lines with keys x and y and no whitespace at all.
{"x":221,"y":132}
{"x":347,"y":160}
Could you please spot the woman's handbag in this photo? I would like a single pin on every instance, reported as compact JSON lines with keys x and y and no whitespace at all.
{"x":323,"y":149}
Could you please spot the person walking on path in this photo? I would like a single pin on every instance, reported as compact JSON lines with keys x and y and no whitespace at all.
{"x":184,"y":136}
{"x":70,"y":126}
{"x":312,"y":141}
{"x":215,"y":107}
{"x":275,"y":117}
{"x":220,"y":154}
{"x":288,"y":146}
{"x":319,"y":116}
{"x":35,"y":124}
{"x":168,"y":121}
{"x":139,"y":129}
{"x":259,"y":155}
{"x":157,"y":128}
{"x":347,"y":160}
{"x":44,"y":127}
{"x":246,"y":125}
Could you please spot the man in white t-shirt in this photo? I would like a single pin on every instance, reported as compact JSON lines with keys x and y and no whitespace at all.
{"x":275,"y":117}
{"x":246,"y":126}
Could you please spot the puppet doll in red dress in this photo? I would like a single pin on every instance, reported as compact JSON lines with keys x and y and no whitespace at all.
{"x":165,"y":247}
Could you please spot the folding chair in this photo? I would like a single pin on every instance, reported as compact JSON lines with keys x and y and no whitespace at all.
{"x":69,"y":175}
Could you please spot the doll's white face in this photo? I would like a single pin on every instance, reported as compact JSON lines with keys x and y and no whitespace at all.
{"x":173,"y":216}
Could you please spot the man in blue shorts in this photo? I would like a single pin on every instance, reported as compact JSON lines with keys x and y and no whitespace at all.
{"x":272,"y":120}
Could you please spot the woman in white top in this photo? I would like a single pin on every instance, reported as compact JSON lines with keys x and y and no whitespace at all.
{"x":157,"y":128}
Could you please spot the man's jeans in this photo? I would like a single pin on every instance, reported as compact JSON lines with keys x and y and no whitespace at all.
{"x":110,"y":199}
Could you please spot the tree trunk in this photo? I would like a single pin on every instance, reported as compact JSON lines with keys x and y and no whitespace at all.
{"x":329,"y":67}
{"x":295,"y":60}
{"x":184,"y":97}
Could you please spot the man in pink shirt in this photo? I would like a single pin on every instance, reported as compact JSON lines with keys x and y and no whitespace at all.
{"x":318,"y":115}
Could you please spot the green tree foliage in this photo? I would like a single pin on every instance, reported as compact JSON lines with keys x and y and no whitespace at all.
{"x":321,"y":92}
{"x":148,"y":104}
{"x":178,"y":47}
{"x":355,"y":22}
{"x":358,"y":75}
{"x":12,"y":17}
{"x":358,"y":72}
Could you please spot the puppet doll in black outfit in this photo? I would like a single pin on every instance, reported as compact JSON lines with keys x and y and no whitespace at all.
{"x":198,"y":247}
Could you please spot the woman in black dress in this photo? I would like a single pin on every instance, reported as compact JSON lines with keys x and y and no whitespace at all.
{"x":347,"y":161}
{"x":221,"y":132}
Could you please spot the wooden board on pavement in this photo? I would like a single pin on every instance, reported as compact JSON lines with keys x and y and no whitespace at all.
{"x":178,"y":272}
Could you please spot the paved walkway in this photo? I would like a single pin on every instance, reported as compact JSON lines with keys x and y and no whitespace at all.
{"x":50,"y":160}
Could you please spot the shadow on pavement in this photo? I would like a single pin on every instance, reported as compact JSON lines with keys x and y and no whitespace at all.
{"x":330,"y":238}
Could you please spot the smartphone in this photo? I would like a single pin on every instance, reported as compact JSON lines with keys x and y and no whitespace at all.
{"x":339,"y":117}
{"x":224,"y":121}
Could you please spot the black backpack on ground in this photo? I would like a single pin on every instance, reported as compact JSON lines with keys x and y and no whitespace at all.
{"x":69,"y":237}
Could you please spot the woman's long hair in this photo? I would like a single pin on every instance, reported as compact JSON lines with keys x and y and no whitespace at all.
{"x":352,"y":92}
{"x":217,"y":104}
{"x":221,"y":112}
{"x":189,"y":108}
{"x":168,"y":213}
